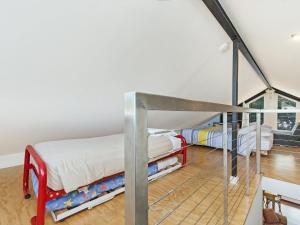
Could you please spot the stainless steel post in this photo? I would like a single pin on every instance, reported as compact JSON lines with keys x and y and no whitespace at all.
{"x":225,"y":167}
{"x":248,"y":165}
{"x":248,"y":175}
{"x":136,"y":161}
{"x":258,"y":142}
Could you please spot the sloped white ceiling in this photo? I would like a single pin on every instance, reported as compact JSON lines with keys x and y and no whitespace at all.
{"x":249,"y":82}
{"x":266,"y":26}
{"x":65,"y":65}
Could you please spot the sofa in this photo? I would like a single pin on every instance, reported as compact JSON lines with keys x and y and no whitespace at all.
{"x":288,"y":138}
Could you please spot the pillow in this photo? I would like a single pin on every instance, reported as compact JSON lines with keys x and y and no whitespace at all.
{"x":247,"y":130}
{"x":266,"y":128}
{"x":161,"y":132}
{"x":263,"y":133}
{"x":266,"y":133}
{"x":270,"y":216}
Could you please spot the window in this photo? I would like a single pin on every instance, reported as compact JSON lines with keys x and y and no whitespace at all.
{"x":258,"y":104}
{"x":286,"y":121}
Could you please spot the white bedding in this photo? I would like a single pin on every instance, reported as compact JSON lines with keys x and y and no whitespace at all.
{"x":75,"y":163}
{"x":266,"y":141}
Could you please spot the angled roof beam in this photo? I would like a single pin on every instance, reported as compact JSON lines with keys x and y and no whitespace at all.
{"x":283,"y":93}
{"x":219,"y":13}
{"x":278,"y":91}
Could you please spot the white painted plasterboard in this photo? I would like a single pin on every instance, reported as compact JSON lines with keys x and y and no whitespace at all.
{"x":11,"y":160}
{"x":289,"y":191}
{"x":255,"y":216}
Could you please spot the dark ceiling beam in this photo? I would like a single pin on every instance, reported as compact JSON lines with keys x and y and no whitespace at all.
{"x":283,"y":93}
{"x":254,"y":97}
{"x":235,"y":99}
{"x":278,"y":91}
{"x":219,"y":13}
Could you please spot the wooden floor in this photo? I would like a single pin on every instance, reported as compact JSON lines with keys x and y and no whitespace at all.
{"x":196,"y":196}
{"x":282,"y":163}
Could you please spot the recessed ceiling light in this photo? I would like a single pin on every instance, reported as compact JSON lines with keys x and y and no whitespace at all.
{"x":295,"y":36}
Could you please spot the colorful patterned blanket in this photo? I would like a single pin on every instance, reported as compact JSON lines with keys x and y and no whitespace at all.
{"x":82,"y":195}
{"x":213,"y":137}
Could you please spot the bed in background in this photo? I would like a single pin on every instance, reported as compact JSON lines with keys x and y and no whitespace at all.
{"x":267,"y":139}
{"x":72,"y":175}
{"x":213,"y":137}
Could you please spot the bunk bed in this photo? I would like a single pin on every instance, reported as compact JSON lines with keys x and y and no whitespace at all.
{"x":69,"y":176}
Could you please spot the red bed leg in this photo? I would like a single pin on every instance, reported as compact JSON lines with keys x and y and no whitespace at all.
{"x":39,"y":219}
{"x":41,"y":173}
{"x":184,"y":148}
{"x":184,"y":153}
{"x":26,"y":175}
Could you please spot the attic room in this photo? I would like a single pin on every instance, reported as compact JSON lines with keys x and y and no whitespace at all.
{"x":150,"y":112}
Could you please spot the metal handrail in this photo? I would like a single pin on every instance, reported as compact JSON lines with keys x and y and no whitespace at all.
{"x":167,"y":103}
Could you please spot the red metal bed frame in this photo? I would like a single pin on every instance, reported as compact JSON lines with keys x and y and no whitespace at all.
{"x":45,"y":193}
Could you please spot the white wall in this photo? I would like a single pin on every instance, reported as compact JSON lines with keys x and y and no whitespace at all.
{"x":267,"y":34}
{"x":65,"y":65}
{"x":298,"y":114}
{"x":271,"y":102}
{"x":289,"y":191}
{"x":255,"y":215}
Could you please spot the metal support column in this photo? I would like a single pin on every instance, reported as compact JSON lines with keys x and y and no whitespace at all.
{"x":235,"y":71}
{"x":225,"y":168}
{"x":258,"y":142}
{"x":136,"y":161}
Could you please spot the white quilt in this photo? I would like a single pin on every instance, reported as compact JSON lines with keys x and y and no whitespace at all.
{"x":75,"y":163}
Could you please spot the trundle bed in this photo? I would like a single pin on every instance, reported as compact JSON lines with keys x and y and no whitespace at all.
{"x":69,"y":176}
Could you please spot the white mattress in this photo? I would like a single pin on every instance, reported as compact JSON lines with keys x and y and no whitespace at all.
{"x":75,"y":163}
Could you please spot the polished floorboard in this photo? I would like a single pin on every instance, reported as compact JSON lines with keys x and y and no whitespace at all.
{"x":193,"y":194}
{"x":282,"y":163}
